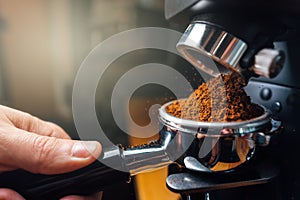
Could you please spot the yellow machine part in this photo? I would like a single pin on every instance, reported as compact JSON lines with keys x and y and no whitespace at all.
{"x":149,"y":185}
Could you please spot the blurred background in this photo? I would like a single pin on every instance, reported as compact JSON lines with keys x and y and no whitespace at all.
{"x":43,"y":43}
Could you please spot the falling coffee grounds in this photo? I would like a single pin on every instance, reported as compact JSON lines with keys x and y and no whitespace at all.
{"x":221,"y":99}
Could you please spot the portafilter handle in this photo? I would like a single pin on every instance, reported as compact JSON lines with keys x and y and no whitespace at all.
{"x":88,"y":180}
{"x":117,"y":165}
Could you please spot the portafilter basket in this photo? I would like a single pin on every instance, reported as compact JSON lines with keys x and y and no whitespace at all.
{"x":219,"y":146}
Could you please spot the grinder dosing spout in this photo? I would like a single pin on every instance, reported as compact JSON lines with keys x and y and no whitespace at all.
{"x":215,"y":51}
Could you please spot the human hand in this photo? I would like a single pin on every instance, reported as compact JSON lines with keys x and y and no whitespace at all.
{"x":7,"y":194}
{"x":37,"y":146}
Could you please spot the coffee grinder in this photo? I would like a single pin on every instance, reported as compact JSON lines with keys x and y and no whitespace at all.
{"x":259,"y":40}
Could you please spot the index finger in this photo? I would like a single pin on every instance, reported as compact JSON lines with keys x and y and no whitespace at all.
{"x":27,"y":122}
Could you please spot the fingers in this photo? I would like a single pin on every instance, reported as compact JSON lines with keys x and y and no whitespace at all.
{"x":32,"y":124}
{"x":25,"y":143}
{"x":46,"y":155}
{"x":51,"y":129}
{"x":7,"y":194}
{"x":4,"y":168}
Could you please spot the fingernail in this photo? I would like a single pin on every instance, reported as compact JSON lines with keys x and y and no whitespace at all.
{"x":85,"y":149}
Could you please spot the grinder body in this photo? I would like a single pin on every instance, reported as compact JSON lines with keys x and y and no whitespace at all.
{"x":260,"y":25}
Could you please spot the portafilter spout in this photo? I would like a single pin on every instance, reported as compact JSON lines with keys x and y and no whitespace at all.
{"x":142,"y":158}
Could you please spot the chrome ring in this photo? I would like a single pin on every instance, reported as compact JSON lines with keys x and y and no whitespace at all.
{"x":238,"y":128}
{"x":201,"y":43}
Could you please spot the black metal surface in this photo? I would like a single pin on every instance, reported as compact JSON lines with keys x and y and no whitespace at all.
{"x":285,"y":12}
{"x":282,"y":101}
{"x":190,"y":182}
{"x":257,"y":23}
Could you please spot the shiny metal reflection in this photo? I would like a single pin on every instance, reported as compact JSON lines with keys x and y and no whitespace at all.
{"x":201,"y":43}
{"x":221,"y":146}
{"x":203,"y":146}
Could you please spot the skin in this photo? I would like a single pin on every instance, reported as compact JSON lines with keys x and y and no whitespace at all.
{"x":50,"y":148}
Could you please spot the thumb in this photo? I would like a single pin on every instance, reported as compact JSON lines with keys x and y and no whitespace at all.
{"x":48,"y":155}
{"x":7,"y":194}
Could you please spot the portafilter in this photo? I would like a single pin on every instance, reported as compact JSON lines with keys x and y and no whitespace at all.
{"x":200,"y":146}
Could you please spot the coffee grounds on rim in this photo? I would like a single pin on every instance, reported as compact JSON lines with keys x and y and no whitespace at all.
{"x":221,"y":99}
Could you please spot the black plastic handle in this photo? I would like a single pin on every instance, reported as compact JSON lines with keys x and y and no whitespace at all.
{"x":88,"y":180}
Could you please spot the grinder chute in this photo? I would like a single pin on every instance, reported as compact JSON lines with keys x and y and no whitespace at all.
{"x":201,"y":39}
{"x":236,"y":36}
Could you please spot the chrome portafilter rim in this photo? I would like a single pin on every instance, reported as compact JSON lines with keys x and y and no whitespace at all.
{"x":182,"y":138}
{"x":202,"y":44}
{"x":220,"y":146}
{"x":238,"y":128}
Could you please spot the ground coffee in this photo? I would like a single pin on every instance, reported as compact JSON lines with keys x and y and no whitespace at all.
{"x":221,"y":99}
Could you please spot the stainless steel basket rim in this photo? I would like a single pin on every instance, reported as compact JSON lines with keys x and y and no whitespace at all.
{"x":191,"y":126}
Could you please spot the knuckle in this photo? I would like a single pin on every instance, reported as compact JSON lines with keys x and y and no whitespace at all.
{"x":56,"y":131}
{"x":43,"y":148}
{"x":24,"y":122}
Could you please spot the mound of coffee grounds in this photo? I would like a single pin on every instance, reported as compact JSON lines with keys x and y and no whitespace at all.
{"x":221,"y":99}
